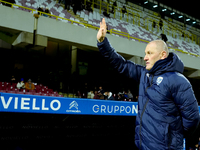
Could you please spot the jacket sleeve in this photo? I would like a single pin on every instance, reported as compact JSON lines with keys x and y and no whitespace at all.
{"x":126,"y":67}
{"x":186,"y":102}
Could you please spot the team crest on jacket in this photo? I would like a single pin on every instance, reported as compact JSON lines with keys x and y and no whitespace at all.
{"x":159,"y":80}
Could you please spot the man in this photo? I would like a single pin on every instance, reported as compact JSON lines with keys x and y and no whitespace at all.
{"x":110,"y":97}
{"x":29,"y":85}
{"x":101,"y":92}
{"x":20,"y":85}
{"x":167,"y":107}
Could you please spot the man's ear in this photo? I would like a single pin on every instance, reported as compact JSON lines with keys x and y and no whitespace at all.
{"x":163,"y":55}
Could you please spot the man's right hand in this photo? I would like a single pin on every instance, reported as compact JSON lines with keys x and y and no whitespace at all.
{"x":102,"y":31}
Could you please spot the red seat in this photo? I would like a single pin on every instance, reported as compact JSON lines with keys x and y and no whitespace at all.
{"x":37,"y":87}
{"x":55,"y":92}
{"x":10,"y":88}
{"x":50,"y":90}
{"x":23,"y":90}
{"x":2,"y":87}
{"x":20,"y":92}
{"x":11,"y":91}
{"x":44,"y":90}
{"x":59,"y":95}
{"x":3,"y":91}
{"x":29,"y":93}
{"x":36,"y":94}
{"x":33,"y":91}
{"x":52,"y":95}
{"x":16,"y":90}
{"x":45,"y":94}
{"x":45,"y":87}
{"x":14,"y":84}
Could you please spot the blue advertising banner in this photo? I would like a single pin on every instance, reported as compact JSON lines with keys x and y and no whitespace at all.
{"x":59,"y":105}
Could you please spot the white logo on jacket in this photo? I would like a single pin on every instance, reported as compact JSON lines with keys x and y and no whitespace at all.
{"x":159,"y":80}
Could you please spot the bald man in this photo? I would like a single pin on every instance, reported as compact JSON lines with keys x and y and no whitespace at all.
{"x":167,"y":107}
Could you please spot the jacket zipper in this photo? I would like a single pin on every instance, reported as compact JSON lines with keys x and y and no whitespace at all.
{"x":143,"y":112}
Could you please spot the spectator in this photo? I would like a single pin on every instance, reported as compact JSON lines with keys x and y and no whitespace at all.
{"x":96,"y":95}
{"x":125,"y":94}
{"x":88,"y":6}
{"x":40,"y":9}
{"x":154,"y":24}
{"x":9,"y":1}
{"x":67,"y":4}
{"x":119,"y":96}
{"x":101,"y":93}
{"x":106,"y":14}
{"x":113,"y":7}
{"x":90,"y":95}
{"x":20,"y":85}
{"x":161,"y":24}
{"x":130,"y":95}
{"x":136,"y":98}
{"x":163,"y":37}
{"x":110,"y":97}
{"x":12,"y":80}
{"x":29,"y":85}
{"x":47,"y":11}
{"x":75,"y":5}
{"x":124,"y":11}
{"x":105,"y":96}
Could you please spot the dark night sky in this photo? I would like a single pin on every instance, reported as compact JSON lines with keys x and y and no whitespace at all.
{"x":190,"y":7}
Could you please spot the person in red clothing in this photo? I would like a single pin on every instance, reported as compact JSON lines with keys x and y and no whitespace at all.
{"x":96,"y":96}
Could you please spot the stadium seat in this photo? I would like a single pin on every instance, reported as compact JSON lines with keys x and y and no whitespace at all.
{"x":10,"y":91}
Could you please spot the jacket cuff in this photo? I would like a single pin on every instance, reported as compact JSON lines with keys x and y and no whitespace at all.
{"x":103,"y":42}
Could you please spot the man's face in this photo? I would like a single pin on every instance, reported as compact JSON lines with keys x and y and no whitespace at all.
{"x":152,"y":55}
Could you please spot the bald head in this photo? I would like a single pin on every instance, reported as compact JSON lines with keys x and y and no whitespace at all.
{"x":159,"y":45}
{"x":155,"y":50}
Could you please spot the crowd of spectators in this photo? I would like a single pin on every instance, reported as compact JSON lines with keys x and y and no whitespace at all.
{"x":45,"y":11}
{"x":107,"y":95}
{"x":77,"y":5}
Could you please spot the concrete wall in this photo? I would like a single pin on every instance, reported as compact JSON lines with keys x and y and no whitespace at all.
{"x":16,"y":19}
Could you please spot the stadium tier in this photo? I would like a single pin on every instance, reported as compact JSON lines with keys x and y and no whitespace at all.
{"x":141,"y":29}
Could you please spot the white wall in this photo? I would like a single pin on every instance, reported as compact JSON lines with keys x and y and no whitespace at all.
{"x":16,"y":19}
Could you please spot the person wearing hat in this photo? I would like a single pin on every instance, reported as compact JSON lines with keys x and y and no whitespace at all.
{"x":20,"y":85}
{"x":29,"y":85}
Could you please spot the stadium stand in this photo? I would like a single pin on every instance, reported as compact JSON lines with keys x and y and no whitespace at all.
{"x":137,"y":27}
{"x":7,"y":87}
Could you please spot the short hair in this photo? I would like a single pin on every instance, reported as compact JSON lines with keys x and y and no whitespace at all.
{"x":161,"y":45}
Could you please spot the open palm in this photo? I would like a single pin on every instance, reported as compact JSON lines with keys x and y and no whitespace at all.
{"x":102,"y":31}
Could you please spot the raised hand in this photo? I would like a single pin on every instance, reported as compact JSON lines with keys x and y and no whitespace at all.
{"x":102,"y":31}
